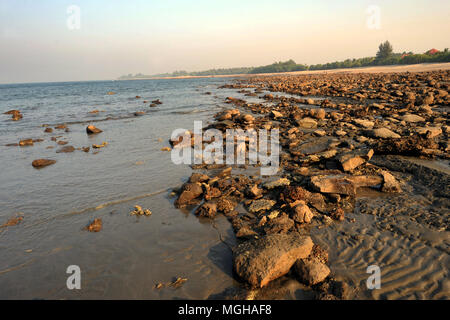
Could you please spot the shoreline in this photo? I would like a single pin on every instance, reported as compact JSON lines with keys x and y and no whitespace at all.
{"x":423,"y":67}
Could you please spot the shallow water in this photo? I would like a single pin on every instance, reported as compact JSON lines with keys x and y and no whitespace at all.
{"x":130,"y":255}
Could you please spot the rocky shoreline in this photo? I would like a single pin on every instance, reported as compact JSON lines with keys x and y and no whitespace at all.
{"x":340,"y":135}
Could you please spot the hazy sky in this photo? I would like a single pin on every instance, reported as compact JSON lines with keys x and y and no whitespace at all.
{"x":118,"y":37}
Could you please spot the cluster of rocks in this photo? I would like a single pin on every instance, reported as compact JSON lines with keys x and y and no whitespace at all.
{"x":327,"y":140}
{"x":139,"y":211}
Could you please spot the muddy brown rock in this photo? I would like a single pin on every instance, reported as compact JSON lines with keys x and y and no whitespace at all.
{"x":208,"y":210}
{"x":40,"y":163}
{"x":311,"y":271}
{"x":92,"y":130}
{"x":95,"y":226}
{"x":354,"y":159}
{"x":390,"y":184}
{"x":384,"y":133}
{"x":302,"y":213}
{"x":261,"y":204}
{"x":260,"y":261}
{"x":26,"y":142}
{"x":191,"y":191}
{"x":66,"y":149}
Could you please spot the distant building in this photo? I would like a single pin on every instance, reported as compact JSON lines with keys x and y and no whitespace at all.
{"x":432,"y":51}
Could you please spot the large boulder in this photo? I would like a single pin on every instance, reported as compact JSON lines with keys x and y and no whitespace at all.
{"x":270,"y":257}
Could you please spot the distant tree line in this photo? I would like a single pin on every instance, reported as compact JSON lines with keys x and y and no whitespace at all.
{"x":385,"y":56}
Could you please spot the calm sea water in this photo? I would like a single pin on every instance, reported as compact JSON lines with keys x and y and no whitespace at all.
{"x":130,"y":255}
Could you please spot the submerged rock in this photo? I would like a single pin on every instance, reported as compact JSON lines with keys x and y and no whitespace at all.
{"x":66,"y":149}
{"x":95,"y":226}
{"x":92,"y":130}
{"x":26,"y":142}
{"x":40,"y":163}
{"x":270,"y":257}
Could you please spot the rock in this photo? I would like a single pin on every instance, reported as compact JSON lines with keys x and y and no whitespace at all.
{"x":307,"y":123}
{"x":430,"y":132}
{"x":166,"y":149}
{"x":138,"y":211}
{"x":276,"y":114}
{"x":317,"y":113}
{"x":156,"y":101}
{"x":12,"y":112}
{"x":26,"y":142}
{"x":261,"y":204}
{"x":92,"y":130}
{"x":48,"y":130}
{"x":302,"y":213}
{"x":333,"y":184}
{"x":61,"y":127}
{"x":208,"y":210}
{"x":260,"y":261}
{"x":311,"y":271}
{"x":340,"y":133}
{"x":390,"y":184}
{"x":40,"y":163}
{"x":246,"y":232}
{"x":383,"y":133}
{"x":280,"y":224}
{"x":277,"y":183}
{"x":354,"y":159}
{"x":343,"y":184}
{"x":225,"y":205}
{"x":198,"y":177}
{"x":95,"y":226}
{"x":66,"y":149}
{"x":190,"y":192}
{"x":254,"y":191}
{"x":139,"y":113}
{"x":412,"y":118}
{"x":98,"y":146}
{"x":337,"y":214}
{"x":364,"y":123}
{"x":310,"y":101}
{"x":315,"y":145}
{"x":320,"y":133}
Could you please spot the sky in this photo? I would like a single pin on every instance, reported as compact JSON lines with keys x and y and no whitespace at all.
{"x":42,"y":41}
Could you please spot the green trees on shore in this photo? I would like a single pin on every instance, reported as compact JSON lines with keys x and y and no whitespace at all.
{"x":384,"y":56}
